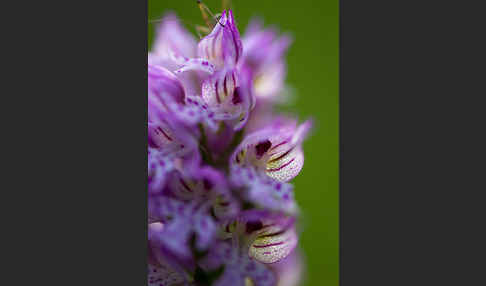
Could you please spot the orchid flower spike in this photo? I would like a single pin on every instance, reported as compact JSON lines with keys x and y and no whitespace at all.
{"x":221,"y":208}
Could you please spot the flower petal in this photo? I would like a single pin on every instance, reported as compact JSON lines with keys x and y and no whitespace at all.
{"x":289,"y":270}
{"x":275,"y":149}
{"x":173,"y":139}
{"x":194,"y":111}
{"x":207,"y":186}
{"x":171,"y":37}
{"x":264,"y":191}
{"x":181,"y":220}
{"x":163,"y":275}
{"x":284,"y":167}
{"x":228,"y":93}
{"x":163,"y":89}
{"x":222,"y":46}
{"x":273,"y":246}
{"x":273,"y":234}
{"x":239,"y":268}
{"x":219,"y":89}
{"x":264,"y":53}
{"x":162,"y":81}
{"x":159,"y":168}
{"x":194,"y":64}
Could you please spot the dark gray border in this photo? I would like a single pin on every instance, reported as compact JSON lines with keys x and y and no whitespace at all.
{"x":409,"y":123}
{"x":80,"y":144}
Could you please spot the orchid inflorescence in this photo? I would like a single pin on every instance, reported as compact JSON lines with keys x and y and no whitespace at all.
{"x":221,"y":210}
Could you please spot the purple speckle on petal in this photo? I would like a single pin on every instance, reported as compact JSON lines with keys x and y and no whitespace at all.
{"x":237,"y":96}
{"x":262,"y":147}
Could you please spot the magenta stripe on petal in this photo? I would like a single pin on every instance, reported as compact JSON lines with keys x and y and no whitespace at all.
{"x":268,"y":245}
{"x":281,"y":167}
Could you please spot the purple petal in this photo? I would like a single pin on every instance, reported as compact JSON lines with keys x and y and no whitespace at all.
{"x":289,"y":270}
{"x":269,"y":81}
{"x":181,"y":220}
{"x":264,"y":53}
{"x":219,"y":141}
{"x":263,"y":190}
{"x":222,"y":46}
{"x":163,"y":89}
{"x":159,"y":168}
{"x":162,"y":274}
{"x":194,"y":64}
{"x":206,"y":186}
{"x":164,"y":264}
{"x":239,"y":268}
{"x":195,"y":111}
{"x":173,"y":140}
{"x":229,"y":94}
{"x":172,"y":37}
{"x":162,"y":82}
{"x":219,"y":89}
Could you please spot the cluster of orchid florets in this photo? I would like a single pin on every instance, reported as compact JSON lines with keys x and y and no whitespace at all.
{"x":220,"y":208}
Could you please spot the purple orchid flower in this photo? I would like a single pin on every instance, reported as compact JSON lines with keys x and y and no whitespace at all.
{"x":264,"y":53}
{"x":275,"y":150}
{"x":220,"y":205}
{"x":258,"y":238}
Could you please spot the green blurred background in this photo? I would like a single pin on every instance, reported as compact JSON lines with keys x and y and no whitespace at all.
{"x":313,"y":61}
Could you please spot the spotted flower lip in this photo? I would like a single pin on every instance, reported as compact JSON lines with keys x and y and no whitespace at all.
{"x":273,"y":244}
{"x":272,"y":235}
{"x":222,"y":46}
{"x":258,"y":237}
{"x":276,"y":150}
